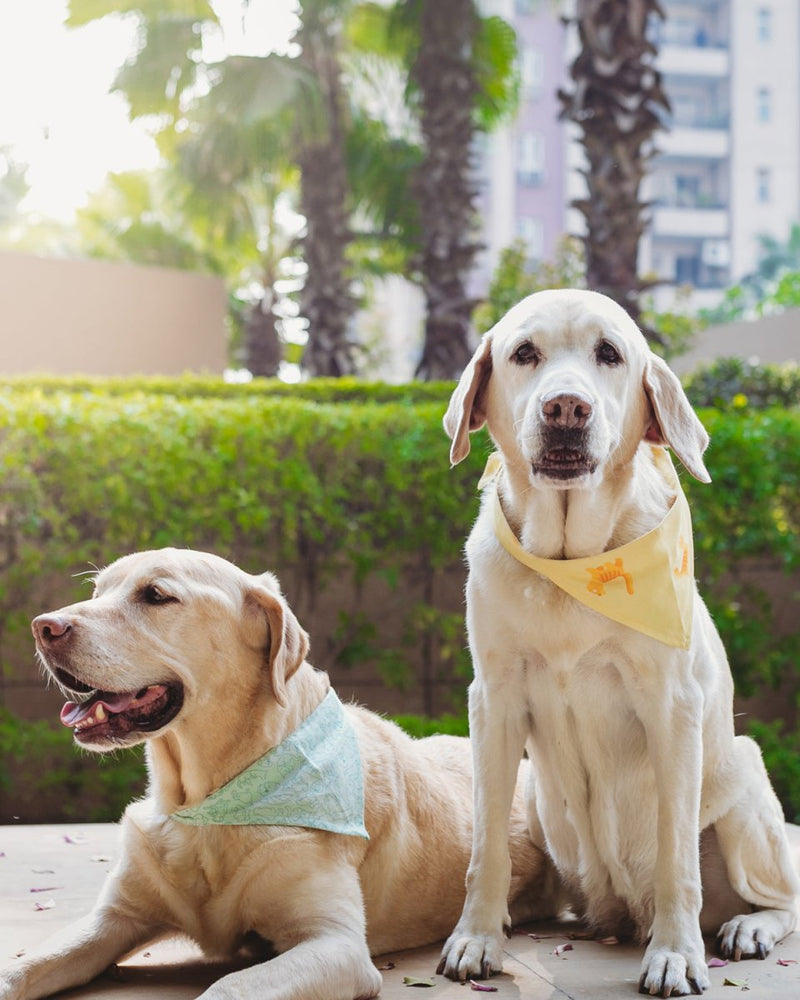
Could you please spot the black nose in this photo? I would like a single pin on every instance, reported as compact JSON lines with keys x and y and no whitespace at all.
{"x":567,"y":410}
{"x":50,"y":629}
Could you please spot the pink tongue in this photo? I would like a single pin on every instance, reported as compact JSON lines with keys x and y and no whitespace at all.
{"x":72,"y":713}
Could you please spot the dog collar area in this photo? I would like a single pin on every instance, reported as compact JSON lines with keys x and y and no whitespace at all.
{"x":313,"y":779}
{"x":646,"y":584}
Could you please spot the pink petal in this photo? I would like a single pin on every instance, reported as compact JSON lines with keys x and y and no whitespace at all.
{"x":560,"y":949}
{"x":48,"y":904}
{"x":47,"y":888}
{"x":717,"y":963}
{"x":787,"y":961}
{"x":482,"y":987}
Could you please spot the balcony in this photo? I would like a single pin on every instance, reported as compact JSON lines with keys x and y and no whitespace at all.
{"x":699,"y":61}
{"x":694,"y":143}
{"x":695,"y":222}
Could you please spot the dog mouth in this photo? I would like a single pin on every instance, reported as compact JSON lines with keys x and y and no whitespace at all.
{"x":114,"y":717}
{"x":564,"y":464}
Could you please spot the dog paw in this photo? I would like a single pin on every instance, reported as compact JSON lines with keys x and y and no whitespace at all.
{"x":471,"y":956}
{"x":751,"y":935}
{"x":667,"y":973}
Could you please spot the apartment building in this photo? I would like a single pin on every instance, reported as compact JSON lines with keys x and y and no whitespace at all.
{"x":727,"y":167}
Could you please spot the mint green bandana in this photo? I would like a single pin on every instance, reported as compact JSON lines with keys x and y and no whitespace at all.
{"x":312,"y":779}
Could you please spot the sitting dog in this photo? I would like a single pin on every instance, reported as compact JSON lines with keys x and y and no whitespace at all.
{"x":592,"y":648}
{"x":272,"y":811}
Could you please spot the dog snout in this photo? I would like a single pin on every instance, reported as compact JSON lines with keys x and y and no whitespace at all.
{"x":568,"y":410}
{"x":50,"y":630}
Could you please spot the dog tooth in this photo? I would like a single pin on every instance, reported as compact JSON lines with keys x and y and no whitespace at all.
{"x":99,"y":714}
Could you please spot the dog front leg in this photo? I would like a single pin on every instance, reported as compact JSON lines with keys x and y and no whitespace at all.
{"x":332,"y":966}
{"x":674,"y":963}
{"x":497,"y":732}
{"x":320,"y":937}
{"x":74,"y":955}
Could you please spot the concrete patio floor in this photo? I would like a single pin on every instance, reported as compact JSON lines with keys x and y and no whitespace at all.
{"x":65,"y":866}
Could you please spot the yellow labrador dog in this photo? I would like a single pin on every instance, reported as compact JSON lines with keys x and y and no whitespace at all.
{"x":627,"y":719}
{"x":261,"y":784}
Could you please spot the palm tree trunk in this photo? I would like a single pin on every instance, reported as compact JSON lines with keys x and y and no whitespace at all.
{"x":444,"y":183}
{"x":262,"y":344}
{"x":326,"y":300}
{"x":615,"y":104}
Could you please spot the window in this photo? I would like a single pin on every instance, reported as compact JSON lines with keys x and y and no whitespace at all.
{"x":531,"y":232}
{"x":532,"y":72}
{"x":687,"y":270}
{"x":530,"y":159}
{"x":763,"y":185}
{"x":764,"y":105}
{"x":764,"y":24}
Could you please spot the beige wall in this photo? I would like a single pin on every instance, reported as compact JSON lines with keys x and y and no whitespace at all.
{"x":771,"y":339}
{"x":101,"y":318}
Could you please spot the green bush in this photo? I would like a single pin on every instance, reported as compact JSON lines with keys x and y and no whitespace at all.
{"x":193,"y":386}
{"x":47,"y":766}
{"x":349,"y":489}
{"x":740,"y":384}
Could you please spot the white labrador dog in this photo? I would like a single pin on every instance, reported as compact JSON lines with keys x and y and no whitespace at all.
{"x":631,"y":738}
{"x":207,"y":664}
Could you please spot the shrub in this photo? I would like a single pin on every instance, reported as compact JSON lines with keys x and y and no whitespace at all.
{"x":740,"y":384}
{"x":337,"y":496}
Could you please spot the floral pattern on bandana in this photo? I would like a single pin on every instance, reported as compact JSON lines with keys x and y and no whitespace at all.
{"x":312,"y":779}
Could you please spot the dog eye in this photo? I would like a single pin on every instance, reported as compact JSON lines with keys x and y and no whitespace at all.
{"x":151,"y":594}
{"x":607,"y":354}
{"x":526,"y":354}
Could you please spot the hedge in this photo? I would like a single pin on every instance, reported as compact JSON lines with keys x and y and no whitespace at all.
{"x":337,"y":487}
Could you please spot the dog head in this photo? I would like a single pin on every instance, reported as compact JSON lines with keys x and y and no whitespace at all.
{"x":567,"y":385}
{"x":166,"y":632}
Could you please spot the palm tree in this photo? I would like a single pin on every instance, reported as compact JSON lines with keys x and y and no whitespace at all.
{"x":166,"y":76}
{"x":445,"y":181}
{"x":464,"y":82}
{"x":616,"y":104}
{"x":327,"y":302}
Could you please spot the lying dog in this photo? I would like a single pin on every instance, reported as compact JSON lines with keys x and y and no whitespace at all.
{"x":261,"y":784}
{"x":594,"y":650}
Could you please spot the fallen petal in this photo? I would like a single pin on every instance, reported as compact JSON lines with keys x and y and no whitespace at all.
{"x":47,"y":904}
{"x":46,"y":888}
{"x":734,"y":982}
{"x":717,"y":963}
{"x":541,"y":937}
{"x":482,"y":987}
{"x":787,"y":961}
{"x":77,"y":838}
{"x":386,"y":968}
{"x":411,"y":981}
{"x":560,"y":949}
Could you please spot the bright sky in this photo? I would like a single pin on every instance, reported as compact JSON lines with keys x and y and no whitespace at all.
{"x":57,"y":112}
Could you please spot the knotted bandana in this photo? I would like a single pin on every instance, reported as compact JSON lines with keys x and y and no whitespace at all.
{"x":647,"y":584}
{"x":312,"y":779}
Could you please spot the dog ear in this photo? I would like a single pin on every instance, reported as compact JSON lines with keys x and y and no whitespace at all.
{"x":466,"y":411}
{"x":288,"y":641}
{"x":673,"y":421}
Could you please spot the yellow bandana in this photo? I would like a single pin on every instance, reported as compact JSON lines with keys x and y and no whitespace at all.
{"x":647,"y":584}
